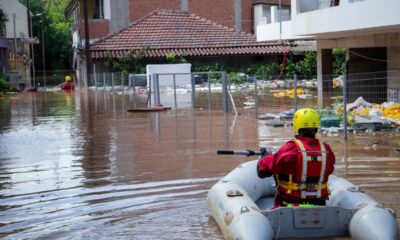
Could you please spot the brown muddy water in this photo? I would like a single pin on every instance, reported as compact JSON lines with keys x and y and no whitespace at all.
{"x":79,"y":166}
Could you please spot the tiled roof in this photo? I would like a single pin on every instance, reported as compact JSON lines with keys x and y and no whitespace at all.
{"x":184,"y":34}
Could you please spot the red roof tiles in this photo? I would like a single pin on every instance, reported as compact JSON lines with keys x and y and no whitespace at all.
{"x":184,"y":34}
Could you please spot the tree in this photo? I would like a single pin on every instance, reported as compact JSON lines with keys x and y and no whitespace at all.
{"x":339,"y":61}
{"x":131,"y":62}
{"x":3,"y":21}
{"x":57,"y":35}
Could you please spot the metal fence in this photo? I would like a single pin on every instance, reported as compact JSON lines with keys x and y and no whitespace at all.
{"x":51,"y":78}
{"x":362,"y":92}
{"x":177,"y":90}
{"x":362,"y":101}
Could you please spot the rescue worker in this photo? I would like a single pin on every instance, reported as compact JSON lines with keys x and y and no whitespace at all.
{"x":301,"y":166}
{"x":68,"y":84}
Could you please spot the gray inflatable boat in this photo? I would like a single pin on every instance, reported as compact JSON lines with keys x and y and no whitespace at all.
{"x":241,"y":201}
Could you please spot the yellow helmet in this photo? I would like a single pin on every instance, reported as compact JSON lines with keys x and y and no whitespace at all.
{"x":305,"y":118}
{"x":67,"y":78}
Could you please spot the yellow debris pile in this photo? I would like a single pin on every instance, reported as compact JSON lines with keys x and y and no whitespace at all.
{"x":389,"y":111}
{"x":289,"y":93}
{"x":337,"y":82}
{"x":392,"y":111}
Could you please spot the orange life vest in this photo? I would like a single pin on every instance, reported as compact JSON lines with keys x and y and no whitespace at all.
{"x":309,"y":181}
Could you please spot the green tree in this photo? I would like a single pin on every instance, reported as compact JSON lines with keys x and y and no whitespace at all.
{"x":57,"y":35}
{"x":172,"y":58}
{"x":308,"y":66}
{"x":3,"y":21}
{"x":339,"y":61}
{"x":131,"y":62}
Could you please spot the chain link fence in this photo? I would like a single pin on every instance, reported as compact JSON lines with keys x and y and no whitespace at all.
{"x":362,"y":101}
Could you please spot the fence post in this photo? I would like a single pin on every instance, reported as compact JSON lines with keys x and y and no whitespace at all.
{"x":345,"y":102}
{"x":95,"y":80}
{"x":134,"y":90}
{"x":150,"y":89}
{"x":122,"y":84}
{"x":112,"y":81}
{"x":156,"y":90}
{"x":295,"y":91}
{"x":225,"y":92}
{"x":193,"y":91}
{"x":104,"y":81}
{"x":209,"y":91}
{"x":176,"y":105}
{"x":256,"y":96}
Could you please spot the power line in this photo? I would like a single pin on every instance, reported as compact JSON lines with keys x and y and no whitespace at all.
{"x":365,"y":57}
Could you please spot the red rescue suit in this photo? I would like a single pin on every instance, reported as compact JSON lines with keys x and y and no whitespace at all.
{"x":301,"y":168}
{"x":67,"y":86}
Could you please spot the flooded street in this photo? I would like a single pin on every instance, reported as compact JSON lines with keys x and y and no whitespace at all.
{"x":79,"y":166}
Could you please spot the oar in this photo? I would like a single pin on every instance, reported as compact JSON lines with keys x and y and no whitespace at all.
{"x":262,"y":152}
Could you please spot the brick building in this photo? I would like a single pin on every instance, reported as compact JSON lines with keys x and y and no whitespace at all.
{"x":107,"y":17}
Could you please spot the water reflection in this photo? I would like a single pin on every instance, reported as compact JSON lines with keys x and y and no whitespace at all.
{"x":78,"y":165}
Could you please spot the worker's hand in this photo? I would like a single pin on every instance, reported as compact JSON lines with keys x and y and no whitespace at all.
{"x":250,"y":153}
{"x":263,"y":151}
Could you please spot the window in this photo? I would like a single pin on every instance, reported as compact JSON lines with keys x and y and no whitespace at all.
{"x":98,"y":9}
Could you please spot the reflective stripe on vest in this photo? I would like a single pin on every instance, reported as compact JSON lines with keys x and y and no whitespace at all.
{"x":305,"y":159}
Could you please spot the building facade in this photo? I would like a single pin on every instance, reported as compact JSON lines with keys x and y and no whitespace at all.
{"x":19,"y":66}
{"x":369,"y":30}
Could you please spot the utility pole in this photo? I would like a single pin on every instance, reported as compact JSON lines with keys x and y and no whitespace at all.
{"x":280,"y":20}
{"x":87,"y":44}
{"x":28,"y":11}
{"x":15,"y":45}
{"x":43,"y":51}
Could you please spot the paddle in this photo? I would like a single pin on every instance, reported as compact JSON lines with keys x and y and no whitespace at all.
{"x":262,"y":152}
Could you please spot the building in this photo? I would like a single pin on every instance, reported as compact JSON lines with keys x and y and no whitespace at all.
{"x":4,"y":63}
{"x":200,"y":41}
{"x":106,"y":17}
{"x":19,"y":66}
{"x":369,"y":30}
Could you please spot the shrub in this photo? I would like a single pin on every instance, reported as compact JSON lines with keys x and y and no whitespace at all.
{"x":4,"y":85}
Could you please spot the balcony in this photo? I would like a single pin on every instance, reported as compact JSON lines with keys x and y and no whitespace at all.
{"x":336,"y":19}
{"x":331,"y":19}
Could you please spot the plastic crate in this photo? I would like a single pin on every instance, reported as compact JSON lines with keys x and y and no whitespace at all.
{"x":330,"y":122}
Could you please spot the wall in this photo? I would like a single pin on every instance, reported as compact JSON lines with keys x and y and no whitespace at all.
{"x":119,"y":15}
{"x":141,"y":8}
{"x":21,"y":19}
{"x":98,"y":28}
{"x":362,"y":16}
{"x":221,"y":11}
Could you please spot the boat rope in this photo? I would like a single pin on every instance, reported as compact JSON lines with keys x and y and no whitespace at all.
{"x":233,"y":102}
{"x":284,"y":61}
{"x":279,"y":224}
{"x":236,"y":114}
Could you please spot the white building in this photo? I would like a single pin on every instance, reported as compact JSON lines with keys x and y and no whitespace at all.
{"x":17,"y":33}
{"x":369,"y":30}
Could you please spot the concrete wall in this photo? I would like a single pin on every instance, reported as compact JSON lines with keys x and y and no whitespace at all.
{"x":358,"y":16}
{"x":11,"y":7}
{"x":119,"y":15}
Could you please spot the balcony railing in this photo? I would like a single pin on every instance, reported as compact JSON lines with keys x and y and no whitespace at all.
{"x":312,"y":5}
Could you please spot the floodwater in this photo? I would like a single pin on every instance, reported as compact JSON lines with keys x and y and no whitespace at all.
{"x":77,"y":165}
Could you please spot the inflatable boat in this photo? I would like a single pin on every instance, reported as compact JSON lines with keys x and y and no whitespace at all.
{"x":241,"y":204}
